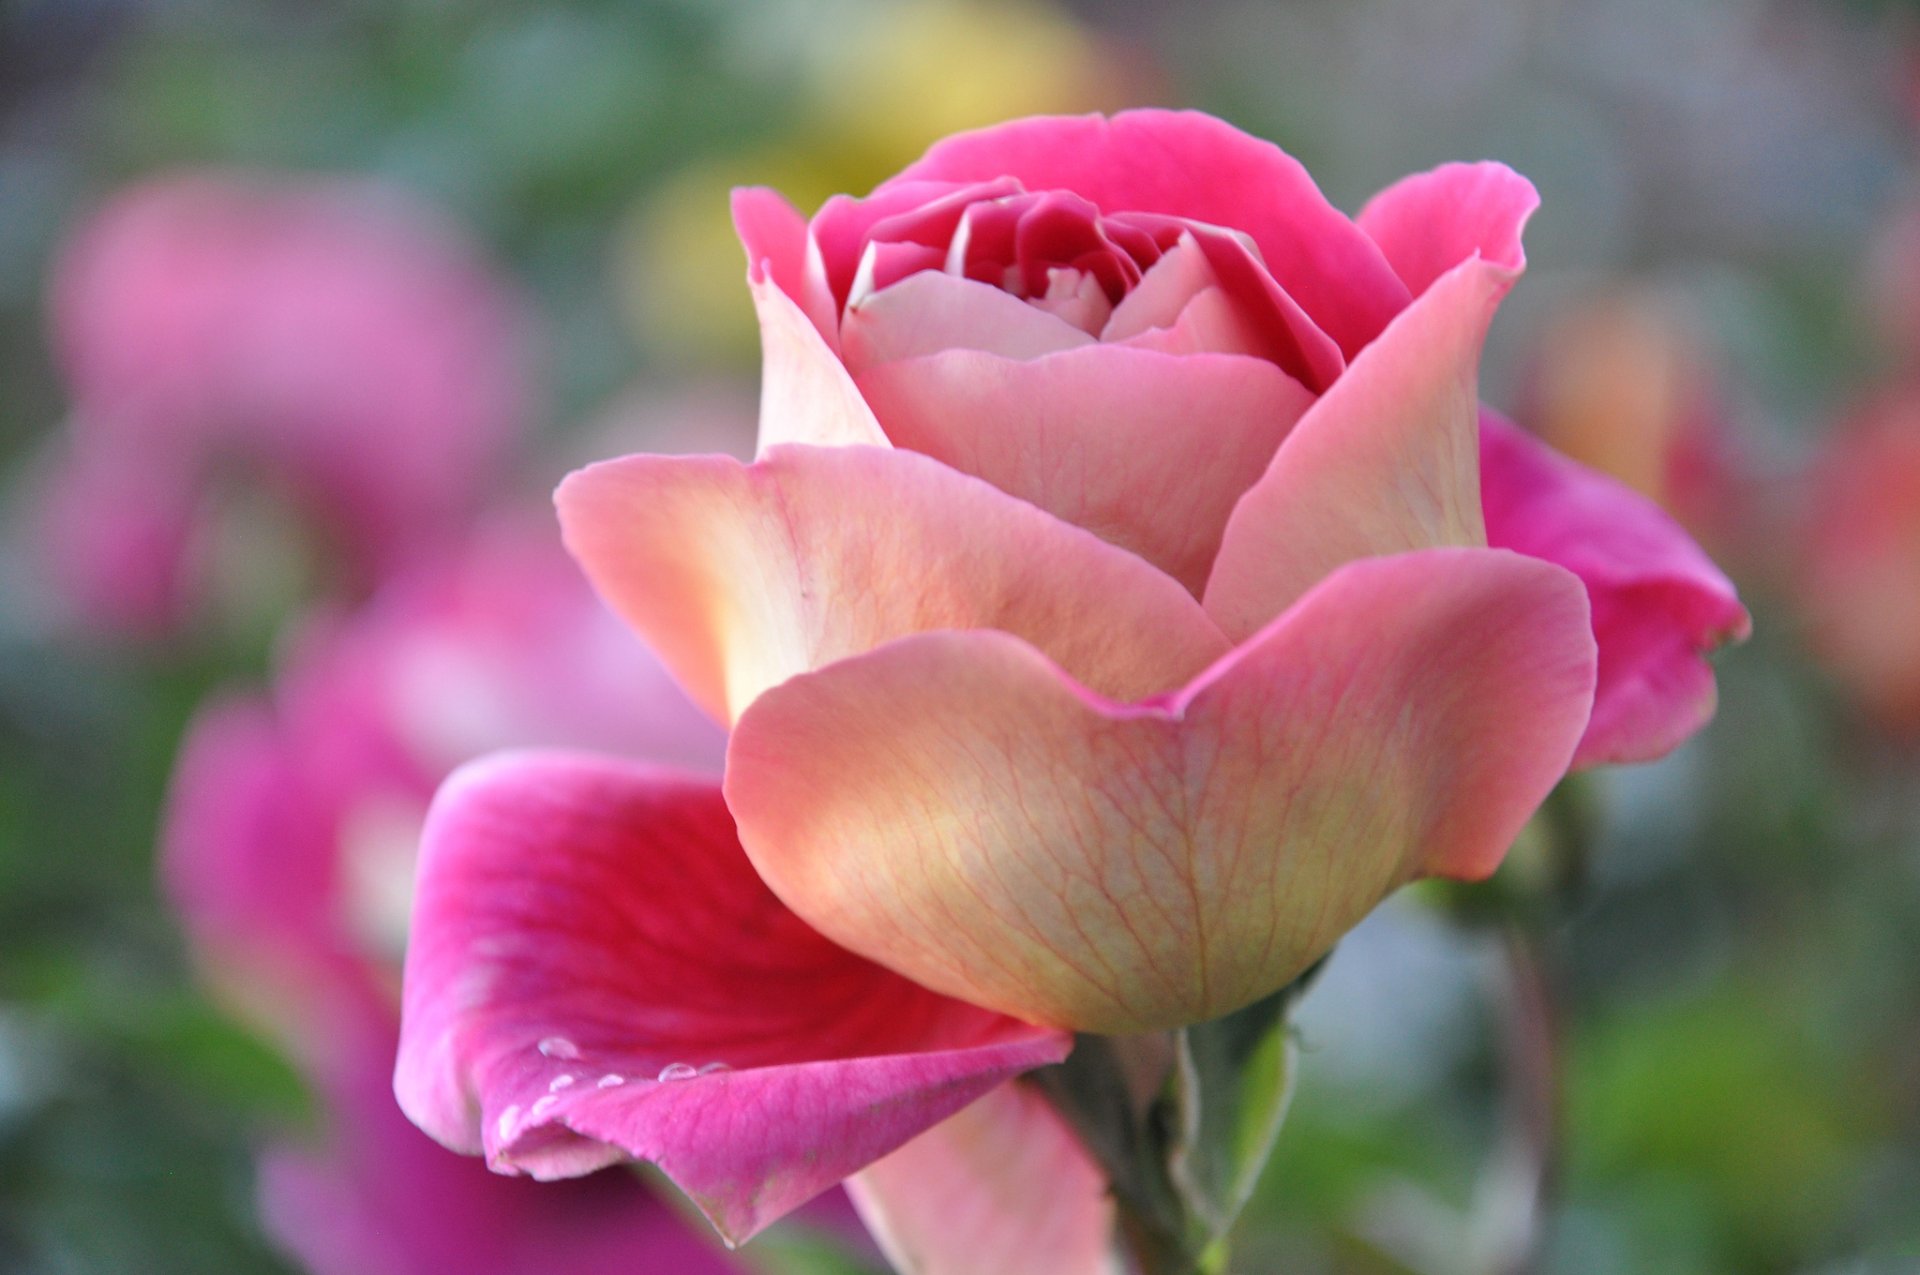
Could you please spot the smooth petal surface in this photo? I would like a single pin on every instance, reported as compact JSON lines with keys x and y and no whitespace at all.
{"x":742,"y":576}
{"x":1659,"y":605}
{"x":1187,"y":164}
{"x":1386,"y":461}
{"x":806,"y":395}
{"x":931,"y":311}
{"x":1005,"y":1186}
{"x":1429,"y":223}
{"x":954,"y":807}
{"x":596,"y":973}
{"x":1148,"y":451}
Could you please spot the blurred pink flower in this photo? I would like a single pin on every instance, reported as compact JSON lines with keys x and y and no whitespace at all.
{"x":289,"y":845}
{"x":1860,"y":559}
{"x":1623,"y":381}
{"x":326,"y":344}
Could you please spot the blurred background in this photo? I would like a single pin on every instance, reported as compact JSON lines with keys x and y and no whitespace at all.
{"x":305,"y":306}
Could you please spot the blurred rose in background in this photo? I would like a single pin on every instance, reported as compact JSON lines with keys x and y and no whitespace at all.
{"x":327,"y":355}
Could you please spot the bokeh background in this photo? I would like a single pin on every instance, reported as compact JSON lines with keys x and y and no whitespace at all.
{"x":516,"y":213}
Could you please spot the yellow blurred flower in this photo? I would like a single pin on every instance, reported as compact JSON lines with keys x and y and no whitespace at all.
{"x":876,"y":95}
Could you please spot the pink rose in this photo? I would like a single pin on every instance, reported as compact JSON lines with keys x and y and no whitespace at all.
{"x":1107,"y":623}
{"x":329,"y":344}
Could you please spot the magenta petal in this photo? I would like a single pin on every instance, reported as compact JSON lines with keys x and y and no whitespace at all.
{"x":378,"y":1197}
{"x":1187,"y":164}
{"x":597,"y":973}
{"x":1659,"y":605}
{"x":1429,"y":223}
{"x":917,"y":212}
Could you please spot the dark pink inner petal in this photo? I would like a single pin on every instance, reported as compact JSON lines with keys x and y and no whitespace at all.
{"x":844,"y":225}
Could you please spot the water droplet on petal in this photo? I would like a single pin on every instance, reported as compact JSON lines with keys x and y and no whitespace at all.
{"x":611,"y":1080}
{"x":679,"y":1071}
{"x":558,"y":1047}
{"x":560,"y":1082}
{"x":542,"y":1106}
{"x":712,"y":1067}
{"x":504,"y":1126}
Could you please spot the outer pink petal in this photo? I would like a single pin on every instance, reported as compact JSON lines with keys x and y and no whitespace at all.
{"x":588,"y":942}
{"x":378,"y":1197}
{"x":954,"y":807}
{"x":1005,"y":1186}
{"x":806,"y":394}
{"x":933,"y":311}
{"x":774,"y":235}
{"x":1148,"y":451}
{"x":1386,"y":461}
{"x":1187,"y":164}
{"x":1659,"y":605}
{"x":1429,"y":223}
{"x":741,"y":577}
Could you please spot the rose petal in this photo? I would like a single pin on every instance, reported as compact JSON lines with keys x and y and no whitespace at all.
{"x":774,"y":235}
{"x":1210,"y":324}
{"x":1659,"y":605}
{"x":1148,"y":451}
{"x":1005,"y":1186}
{"x":806,"y":393}
{"x":916,"y":212}
{"x":885,"y":264}
{"x":378,"y":1197}
{"x":1187,"y":164}
{"x":1386,"y":461}
{"x":1429,"y":223}
{"x":953,"y":806}
{"x":589,"y":941}
{"x":741,"y":577}
{"x":1284,"y":332}
{"x":929,"y":312}
{"x":1163,"y":292}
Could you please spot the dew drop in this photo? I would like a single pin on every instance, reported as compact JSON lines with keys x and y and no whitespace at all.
{"x":679,"y":1071}
{"x":560,"y":1082}
{"x":558,"y":1047}
{"x":541,"y":1106}
{"x":611,"y":1080}
{"x":712,"y":1067}
{"x":504,"y":1126}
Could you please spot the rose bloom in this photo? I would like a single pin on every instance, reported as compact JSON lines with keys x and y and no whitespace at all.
{"x":1127,"y":595}
{"x":288,"y":851}
{"x":330,"y":346}
{"x":1859,"y":578}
